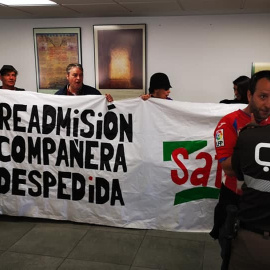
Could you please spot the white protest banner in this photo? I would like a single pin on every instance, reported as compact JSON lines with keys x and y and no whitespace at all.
{"x":142,"y":164}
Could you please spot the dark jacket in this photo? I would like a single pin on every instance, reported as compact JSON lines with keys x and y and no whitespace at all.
{"x":86,"y":90}
{"x":16,"y":89}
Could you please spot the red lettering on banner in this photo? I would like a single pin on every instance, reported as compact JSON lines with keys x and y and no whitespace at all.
{"x":174,"y":175}
{"x":200,"y":176}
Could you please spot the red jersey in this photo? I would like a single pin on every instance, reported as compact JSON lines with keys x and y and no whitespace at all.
{"x":226,"y":134}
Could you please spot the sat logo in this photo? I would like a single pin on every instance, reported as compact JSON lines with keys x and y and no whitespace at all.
{"x":264,"y":163}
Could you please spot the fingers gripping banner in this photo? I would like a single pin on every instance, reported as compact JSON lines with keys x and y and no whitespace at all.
{"x":137,"y":164}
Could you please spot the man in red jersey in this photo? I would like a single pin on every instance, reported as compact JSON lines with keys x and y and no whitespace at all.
{"x":226,"y":134}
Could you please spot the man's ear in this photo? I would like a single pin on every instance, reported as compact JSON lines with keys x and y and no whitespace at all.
{"x":249,"y":95}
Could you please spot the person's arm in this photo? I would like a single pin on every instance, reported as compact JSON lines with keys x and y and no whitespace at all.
{"x":227,"y":166}
{"x":227,"y":163}
{"x":236,"y":166}
{"x":225,"y":139}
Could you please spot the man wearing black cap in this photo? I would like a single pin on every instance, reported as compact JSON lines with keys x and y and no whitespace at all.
{"x":159,"y":87}
{"x":8,"y":75}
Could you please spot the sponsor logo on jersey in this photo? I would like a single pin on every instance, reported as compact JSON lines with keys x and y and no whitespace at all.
{"x":220,"y":138}
{"x":262,"y":147}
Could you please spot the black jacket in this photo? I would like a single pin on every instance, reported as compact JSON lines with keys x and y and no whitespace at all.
{"x":86,"y":90}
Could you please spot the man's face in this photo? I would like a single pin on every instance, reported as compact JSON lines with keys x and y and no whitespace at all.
{"x":259,"y":102}
{"x":161,"y":93}
{"x":8,"y":80}
{"x":75,"y":79}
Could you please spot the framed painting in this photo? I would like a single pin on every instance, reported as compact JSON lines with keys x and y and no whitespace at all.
{"x":120,"y":60}
{"x":259,"y":66}
{"x":55,"y":48}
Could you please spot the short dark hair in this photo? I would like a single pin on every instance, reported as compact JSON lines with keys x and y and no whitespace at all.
{"x":256,"y":77}
{"x":7,"y":68}
{"x":240,"y":79}
{"x":242,"y":89}
{"x":70,"y":66}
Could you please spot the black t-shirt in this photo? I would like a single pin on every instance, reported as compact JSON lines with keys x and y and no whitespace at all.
{"x":86,"y":90}
{"x":251,"y":163}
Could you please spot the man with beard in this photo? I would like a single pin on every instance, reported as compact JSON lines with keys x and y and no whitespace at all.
{"x":226,"y":134}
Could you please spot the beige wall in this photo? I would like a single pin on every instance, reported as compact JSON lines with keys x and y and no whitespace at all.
{"x":201,"y":54}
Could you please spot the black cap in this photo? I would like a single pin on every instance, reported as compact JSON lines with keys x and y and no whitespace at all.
{"x":159,"y":81}
{"x":7,"y":68}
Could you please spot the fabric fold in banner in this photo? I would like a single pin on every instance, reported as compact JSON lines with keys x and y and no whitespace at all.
{"x":133,"y":164}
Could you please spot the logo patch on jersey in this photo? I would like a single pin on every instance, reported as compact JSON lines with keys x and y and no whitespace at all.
{"x":219,"y":138}
{"x":221,"y":124}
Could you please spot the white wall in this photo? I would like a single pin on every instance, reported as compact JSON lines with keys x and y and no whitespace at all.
{"x":202,"y":55}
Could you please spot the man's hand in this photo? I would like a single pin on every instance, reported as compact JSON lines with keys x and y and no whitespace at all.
{"x":109,"y":97}
{"x":251,"y":124}
{"x":145,"y":97}
{"x":252,"y":121}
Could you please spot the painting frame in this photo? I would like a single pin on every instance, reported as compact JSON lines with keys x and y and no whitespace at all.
{"x":259,"y":66}
{"x":54,"y":49}
{"x":120,"y":59}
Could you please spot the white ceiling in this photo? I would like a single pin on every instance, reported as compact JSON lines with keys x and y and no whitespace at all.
{"x":134,"y":8}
